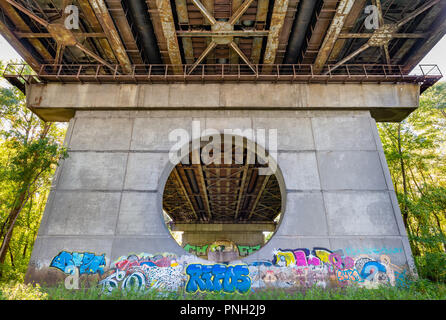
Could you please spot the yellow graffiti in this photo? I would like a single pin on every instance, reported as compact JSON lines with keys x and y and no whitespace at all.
{"x":287,"y":257}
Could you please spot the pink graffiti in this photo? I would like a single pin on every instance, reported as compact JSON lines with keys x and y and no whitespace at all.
{"x":301,"y":258}
{"x":340,"y":262}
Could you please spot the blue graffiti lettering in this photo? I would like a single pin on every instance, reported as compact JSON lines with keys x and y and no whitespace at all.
{"x":218,"y":277}
{"x":88,"y":263}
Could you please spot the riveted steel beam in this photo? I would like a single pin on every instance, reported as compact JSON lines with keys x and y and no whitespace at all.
{"x":262,"y":12}
{"x":168,"y":28}
{"x":91,"y":20}
{"x":277,"y":20}
{"x":342,"y":12}
{"x":356,"y":11}
{"x":240,"y":11}
{"x":204,"y":11}
{"x":183,"y":18}
{"x":223,"y":33}
{"x":100,"y":9}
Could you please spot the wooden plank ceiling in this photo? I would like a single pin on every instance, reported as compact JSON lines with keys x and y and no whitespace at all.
{"x":250,"y":32}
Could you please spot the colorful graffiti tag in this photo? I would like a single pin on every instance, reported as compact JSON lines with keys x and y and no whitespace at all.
{"x":86,"y":262}
{"x":217,"y":278}
{"x":198,"y":250}
{"x":247,"y":250}
{"x":303,"y":267}
{"x":143,"y":272}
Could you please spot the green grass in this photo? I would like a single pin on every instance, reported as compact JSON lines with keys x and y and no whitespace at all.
{"x":419,"y":290}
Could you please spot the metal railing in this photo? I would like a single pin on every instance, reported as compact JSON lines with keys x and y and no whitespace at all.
{"x":423,"y":74}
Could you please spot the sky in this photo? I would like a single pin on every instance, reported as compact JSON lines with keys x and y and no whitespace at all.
{"x":436,"y":56}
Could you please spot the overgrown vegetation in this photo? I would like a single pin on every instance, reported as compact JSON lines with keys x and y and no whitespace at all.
{"x":415,"y":150}
{"x":29,"y":152}
{"x":419,"y":290}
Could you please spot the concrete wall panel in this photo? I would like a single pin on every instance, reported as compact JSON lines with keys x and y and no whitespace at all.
{"x":144,"y":170}
{"x":351,"y":170}
{"x":299,"y":170}
{"x":101,"y":134}
{"x":84,"y":213}
{"x":93,"y":171}
{"x":138,"y":215}
{"x":360,"y":213}
{"x":343,"y":133}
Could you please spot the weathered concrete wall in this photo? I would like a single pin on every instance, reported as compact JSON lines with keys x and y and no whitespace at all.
{"x":106,"y":197}
{"x":386,"y":102}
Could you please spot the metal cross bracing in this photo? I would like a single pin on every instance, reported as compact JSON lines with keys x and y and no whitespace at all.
{"x":215,"y":33}
{"x":222,"y":193}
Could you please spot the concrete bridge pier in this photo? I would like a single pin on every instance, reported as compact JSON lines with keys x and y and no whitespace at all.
{"x":337,"y":193}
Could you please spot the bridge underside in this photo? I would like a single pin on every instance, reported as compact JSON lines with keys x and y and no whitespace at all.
{"x":218,"y":38}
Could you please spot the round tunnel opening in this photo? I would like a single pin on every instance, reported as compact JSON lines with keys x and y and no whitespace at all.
{"x":223,"y":200}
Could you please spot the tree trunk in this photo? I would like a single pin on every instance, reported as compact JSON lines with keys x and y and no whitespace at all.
{"x":403,"y":174}
{"x":12,"y":217}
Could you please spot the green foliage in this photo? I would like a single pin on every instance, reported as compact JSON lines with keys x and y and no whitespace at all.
{"x":415,"y":150}
{"x":20,"y":291}
{"x":418,"y":290}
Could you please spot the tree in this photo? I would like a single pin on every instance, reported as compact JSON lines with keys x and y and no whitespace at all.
{"x":415,"y":150}
{"x":29,"y":152}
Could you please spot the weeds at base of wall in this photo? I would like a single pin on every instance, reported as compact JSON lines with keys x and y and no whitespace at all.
{"x":418,"y":290}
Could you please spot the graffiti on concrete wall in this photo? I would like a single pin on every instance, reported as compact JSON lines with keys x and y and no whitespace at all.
{"x":247,"y":250}
{"x":218,"y":278}
{"x":86,"y":262}
{"x":143,"y":272}
{"x":201,"y":250}
{"x":304,"y":267}
{"x":198,"y":250}
{"x":301,"y":267}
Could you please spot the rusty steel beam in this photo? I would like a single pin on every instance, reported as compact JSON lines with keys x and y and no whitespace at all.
{"x":223,"y":33}
{"x":240,"y":11}
{"x":168,"y":28}
{"x":184,"y":191}
{"x":203,"y":55}
{"x":22,"y":26}
{"x":19,"y":47}
{"x":118,"y":14}
{"x":261,"y":15}
{"x":90,"y":18}
{"x":259,"y":195}
{"x":355,"y":13}
{"x":243,"y":182}
{"x":236,"y":48}
{"x":235,"y":5}
{"x":28,"y":13}
{"x":204,"y":10}
{"x":394,"y":35}
{"x":100,"y":9}
{"x":342,"y":12}
{"x":183,"y":18}
{"x":31,"y":35}
{"x":277,"y":20}
{"x":417,"y":12}
{"x":349,"y":57}
{"x":233,"y":56}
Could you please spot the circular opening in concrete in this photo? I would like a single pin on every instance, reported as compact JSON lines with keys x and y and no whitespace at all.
{"x":223,"y":200}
